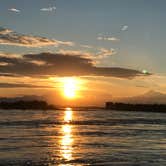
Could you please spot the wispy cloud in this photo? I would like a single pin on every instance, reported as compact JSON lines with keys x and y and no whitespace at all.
{"x":49,"y":9}
{"x":86,"y":46}
{"x":103,"y":52}
{"x":111,"y":39}
{"x":14,"y":10}
{"x":9,"y":37}
{"x":107,"y":38}
{"x":98,"y":53}
{"x":124,"y":28}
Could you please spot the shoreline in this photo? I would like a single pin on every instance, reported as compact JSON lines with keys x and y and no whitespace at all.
{"x":136,"y":107}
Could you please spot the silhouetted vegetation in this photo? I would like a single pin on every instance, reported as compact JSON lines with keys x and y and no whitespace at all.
{"x":35,"y":104}
{"x":136,"y":107}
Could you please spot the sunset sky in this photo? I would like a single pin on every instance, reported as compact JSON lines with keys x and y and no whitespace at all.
{"x":82,"y":51}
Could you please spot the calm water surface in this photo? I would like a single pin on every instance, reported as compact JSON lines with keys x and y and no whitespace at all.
{"x":87,"y":137}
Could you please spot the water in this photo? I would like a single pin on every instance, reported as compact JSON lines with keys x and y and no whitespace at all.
{"x":87,"y":137}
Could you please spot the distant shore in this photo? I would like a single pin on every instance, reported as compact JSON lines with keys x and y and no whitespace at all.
{"x":136,"y":107}
{"x":34,"y":105}
{"x":43,"y":105}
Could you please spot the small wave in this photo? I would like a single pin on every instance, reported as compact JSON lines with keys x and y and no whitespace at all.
{"x":88,"y":122}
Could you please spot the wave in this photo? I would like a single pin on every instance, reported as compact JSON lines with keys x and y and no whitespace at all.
{"x":87,"y":122}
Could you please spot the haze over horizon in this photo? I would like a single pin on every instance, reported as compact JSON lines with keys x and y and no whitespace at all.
{"x":83,"y":52}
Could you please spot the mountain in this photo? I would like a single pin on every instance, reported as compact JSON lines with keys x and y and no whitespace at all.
{"x":150,"y":97}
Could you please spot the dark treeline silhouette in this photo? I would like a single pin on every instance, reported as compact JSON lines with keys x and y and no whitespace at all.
{"x":136,"y":107}
{"x":35,"y":104}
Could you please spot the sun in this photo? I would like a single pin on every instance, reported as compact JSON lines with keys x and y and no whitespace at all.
{"x":70,"y":87}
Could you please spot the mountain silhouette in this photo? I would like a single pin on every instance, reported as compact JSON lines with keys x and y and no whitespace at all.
{"x":150,"y":97}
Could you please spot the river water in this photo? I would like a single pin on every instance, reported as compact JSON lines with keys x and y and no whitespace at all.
{"x":69,"y":137}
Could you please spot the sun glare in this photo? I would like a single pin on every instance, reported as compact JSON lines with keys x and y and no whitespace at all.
{"x":70,"y":87}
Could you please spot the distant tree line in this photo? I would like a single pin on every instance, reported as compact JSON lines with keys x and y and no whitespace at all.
{"x":35,"y":104}
{"x":136,"y":107}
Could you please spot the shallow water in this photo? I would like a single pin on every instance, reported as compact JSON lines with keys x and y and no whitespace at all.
{"x":87,"y":137}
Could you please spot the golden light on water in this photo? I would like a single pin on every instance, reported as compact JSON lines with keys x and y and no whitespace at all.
{"x":67,"y":140}
{"x":68,"y":115}
{"x":66,"y":129}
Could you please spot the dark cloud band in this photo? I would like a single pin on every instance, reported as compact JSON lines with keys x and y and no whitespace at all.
{"x":19,"y":85}
{"x":49,"y":64}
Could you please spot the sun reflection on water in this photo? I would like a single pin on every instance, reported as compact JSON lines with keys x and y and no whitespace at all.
{"x":68,"y":115}
{"x":67,"y":140}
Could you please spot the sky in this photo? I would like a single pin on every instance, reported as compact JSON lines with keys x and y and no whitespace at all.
{"x":107,"y":49}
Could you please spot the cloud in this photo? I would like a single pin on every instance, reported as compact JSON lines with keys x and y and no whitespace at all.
{"x":124,"y":28}
{"x":79,"y":53}
{"x":61,"y":65}
{"x":86,"y":46}
{"x":106,"y":52}
{"x":4,"y":31}
{"x":21,"y":85}
{"x":7,"y":75}
{"x":49,"y":9}
{"x":9,"y":37}
{"x":12,"y":55}
{"x":111,"y":39}
{"x":3,"y":64}
{"x":100,"y":53}
{"x":107,"y":38}
{"x":14,"y":10}
{"x":99,"y":38}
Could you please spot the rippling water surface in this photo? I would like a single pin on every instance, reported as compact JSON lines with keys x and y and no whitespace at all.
{"x":87,"y":137}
